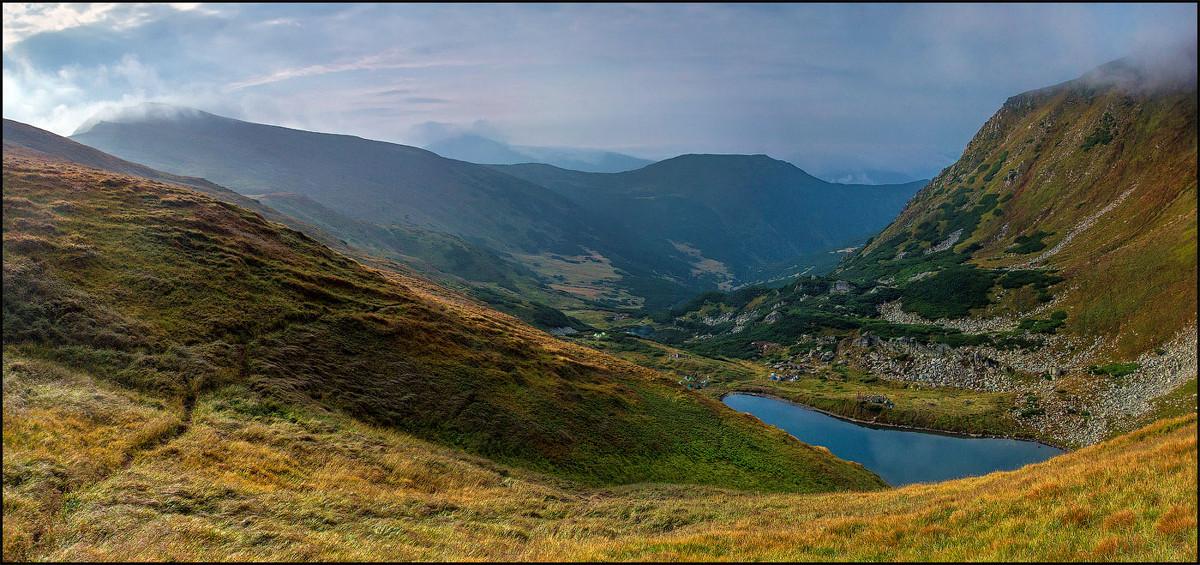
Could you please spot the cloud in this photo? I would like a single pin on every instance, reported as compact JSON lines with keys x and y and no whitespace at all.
{"x":428,"y":133}
{"x":846,"y":87}
{"x":22,"y":20}
{"x":281,"y":22}
{"x":383,"y":61}
{"x":395,"y":92}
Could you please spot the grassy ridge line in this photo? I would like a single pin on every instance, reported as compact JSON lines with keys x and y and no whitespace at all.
{"x":253,"y":480}
{"x":167,"y":292}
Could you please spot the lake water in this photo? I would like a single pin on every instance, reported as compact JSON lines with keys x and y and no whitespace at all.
{"x":901,"y":457}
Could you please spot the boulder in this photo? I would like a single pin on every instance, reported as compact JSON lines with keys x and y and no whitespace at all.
{"x":867,"y":340}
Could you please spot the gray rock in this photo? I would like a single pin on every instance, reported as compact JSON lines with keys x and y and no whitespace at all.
{"x":867,"y":340}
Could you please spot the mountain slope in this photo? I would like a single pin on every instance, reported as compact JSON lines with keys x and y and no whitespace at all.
{"x":379,"y":182}
{"x":406,"y":249}
{"x":635,"y":247}
{"x":1056,"y":262}
{"x":1093,"y":180}
{"x":388,"y":184}
{"x":732,"y":214}
{"x":253,"y":481}
{"x":174,"y":295}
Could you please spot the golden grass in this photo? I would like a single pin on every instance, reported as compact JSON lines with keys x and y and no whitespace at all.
{"x":587,"y":276}
{"x":308,"y":485}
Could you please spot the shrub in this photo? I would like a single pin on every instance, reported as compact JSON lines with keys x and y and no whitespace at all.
{"x":995,"y":167}
{"x":547,"y":317}
{"x":1114,"y":369}
{"x":1030,"y":243}
{"x":1103,"y":133}
{"x":1057,"y":320}
{"x":960,"y":340}
{"x":1006,"y":341}
{"x":950,"y":293}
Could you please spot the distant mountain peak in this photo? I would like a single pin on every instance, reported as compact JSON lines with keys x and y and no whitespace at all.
{"x":141,"y":112}
{"x":1170,"y":69}
{"x":475,"y":148}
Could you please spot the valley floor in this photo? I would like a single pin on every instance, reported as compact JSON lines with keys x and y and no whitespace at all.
{"x":93,"y":472}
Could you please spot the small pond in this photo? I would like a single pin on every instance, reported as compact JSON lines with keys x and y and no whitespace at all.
{"x":901,"y":457}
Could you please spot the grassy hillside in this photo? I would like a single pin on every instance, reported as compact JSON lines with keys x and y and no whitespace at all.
{"x":1092,"y":181}
{"x":173,"y":295}
{"x":470,"y":268}
{"x":410,"y":250}
{"x":22,"y":138}
{"x":93,"y":470}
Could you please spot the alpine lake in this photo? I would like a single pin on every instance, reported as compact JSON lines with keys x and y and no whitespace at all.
{"x":899,"y":456}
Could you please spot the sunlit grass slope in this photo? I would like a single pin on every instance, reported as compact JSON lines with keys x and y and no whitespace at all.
{"x":406,"y":249}
{"x":93,"y":470}
{"x":171,"y":294}
{"x":1093,"y":179}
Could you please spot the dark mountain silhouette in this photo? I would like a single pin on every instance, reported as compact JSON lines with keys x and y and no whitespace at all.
{"x":657,"y":234}
{"x":383,"y":183}
{"x":745,"y":211}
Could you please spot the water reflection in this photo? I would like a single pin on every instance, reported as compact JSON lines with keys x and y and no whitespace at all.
{"x":899,"y":456}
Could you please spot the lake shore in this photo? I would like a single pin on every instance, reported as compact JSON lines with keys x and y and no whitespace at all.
{"x":883,"y":425}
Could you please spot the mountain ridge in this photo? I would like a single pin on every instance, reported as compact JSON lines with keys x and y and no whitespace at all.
{"x":631,"y":261}
{"x":484,"y":151}
{"x":743,"y":211}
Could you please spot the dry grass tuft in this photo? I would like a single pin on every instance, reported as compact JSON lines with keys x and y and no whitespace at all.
{"x":1120,"y":520}
{"x":1177,"y":520}
{"x":1077,"y":516}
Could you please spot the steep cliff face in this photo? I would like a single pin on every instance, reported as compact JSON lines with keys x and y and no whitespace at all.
{"x":1093,"y":181}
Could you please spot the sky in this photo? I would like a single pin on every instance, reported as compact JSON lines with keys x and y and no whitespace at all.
{"x":849,"y":92}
